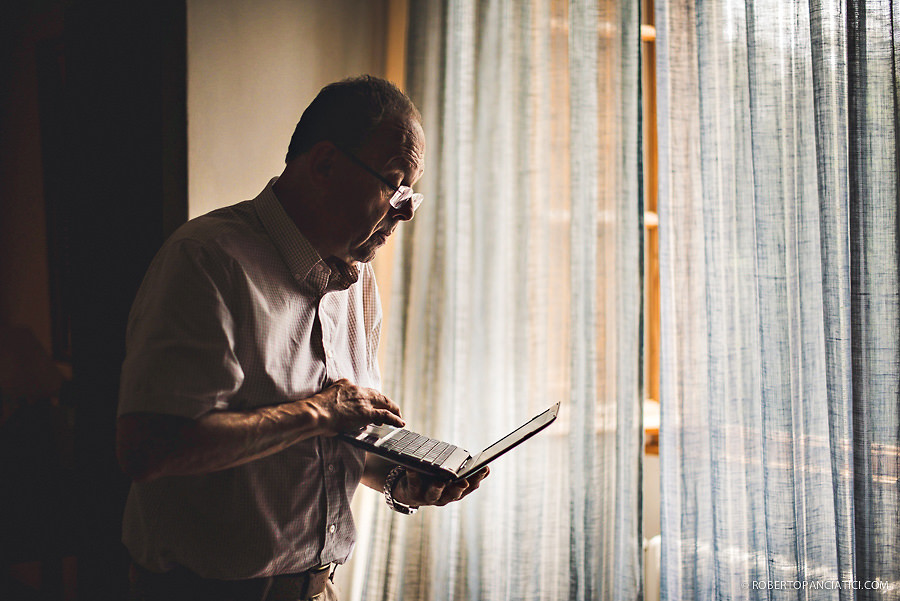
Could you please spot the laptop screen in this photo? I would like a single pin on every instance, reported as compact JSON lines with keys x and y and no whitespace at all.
{"x":514,"y":438}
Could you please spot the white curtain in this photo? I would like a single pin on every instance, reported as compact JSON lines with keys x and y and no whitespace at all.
{"x":780,"y":434}
{"x":518,"y":285}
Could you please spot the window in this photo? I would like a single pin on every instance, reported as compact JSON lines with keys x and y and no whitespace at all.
{"x":651,"y":221}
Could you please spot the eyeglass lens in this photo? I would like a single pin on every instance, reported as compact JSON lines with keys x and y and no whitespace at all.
{"x":404,"y":195}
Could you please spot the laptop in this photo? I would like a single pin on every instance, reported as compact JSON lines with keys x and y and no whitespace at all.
{"x":437,"y":458}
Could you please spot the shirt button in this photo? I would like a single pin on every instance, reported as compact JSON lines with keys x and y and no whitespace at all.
{"x":332,"y":528}
{"x":329,"y":353}
{"x":331,"y":468}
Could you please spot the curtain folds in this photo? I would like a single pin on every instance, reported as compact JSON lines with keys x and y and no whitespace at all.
{"x":518,"y":284}
{"x":780,"y":437}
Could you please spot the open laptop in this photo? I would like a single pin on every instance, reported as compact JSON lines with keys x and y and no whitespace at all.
{"x":437,"y":458}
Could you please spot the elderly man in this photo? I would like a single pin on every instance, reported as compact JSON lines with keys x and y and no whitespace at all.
{"x":252,"y":342}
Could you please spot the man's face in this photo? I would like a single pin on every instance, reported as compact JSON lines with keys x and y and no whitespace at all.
{"x":396,"y":151}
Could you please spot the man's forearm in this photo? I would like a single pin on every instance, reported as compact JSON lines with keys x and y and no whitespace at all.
{"x":153,"y":445}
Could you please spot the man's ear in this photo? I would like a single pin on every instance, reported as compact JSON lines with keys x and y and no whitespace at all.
{"x":322,"y":157}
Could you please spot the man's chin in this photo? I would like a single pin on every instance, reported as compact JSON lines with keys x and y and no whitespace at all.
{"x":365,"y":252}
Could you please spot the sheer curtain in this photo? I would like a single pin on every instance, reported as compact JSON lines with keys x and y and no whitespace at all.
{"x":779,"y":276}
{"x":518,"y":285}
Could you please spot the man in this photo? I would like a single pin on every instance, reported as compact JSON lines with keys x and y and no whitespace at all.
{"x":251,"y":343}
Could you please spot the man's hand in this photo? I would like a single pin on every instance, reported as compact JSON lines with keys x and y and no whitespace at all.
{"x":345,"y":407}
{"x":416,"y":489}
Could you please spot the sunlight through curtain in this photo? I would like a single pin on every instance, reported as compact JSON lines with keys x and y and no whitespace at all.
{"x":780,"y":436}
{"x":518,"y":285}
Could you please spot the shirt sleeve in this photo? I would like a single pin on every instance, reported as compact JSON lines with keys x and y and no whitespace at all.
{"x":180,"y":343}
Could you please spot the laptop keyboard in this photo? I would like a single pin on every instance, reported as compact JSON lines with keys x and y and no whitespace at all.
{"x":421,"y":447}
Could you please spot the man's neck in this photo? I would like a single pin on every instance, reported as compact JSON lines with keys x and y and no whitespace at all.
{"x":310,"y":221}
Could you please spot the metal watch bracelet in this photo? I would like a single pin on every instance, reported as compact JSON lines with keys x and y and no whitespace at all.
{"x":393,"y":476}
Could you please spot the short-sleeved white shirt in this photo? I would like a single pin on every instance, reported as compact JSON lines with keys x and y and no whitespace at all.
{"x":238,"y":311}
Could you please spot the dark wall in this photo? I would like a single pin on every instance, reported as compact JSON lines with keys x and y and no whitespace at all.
{"x":125,"y":87}
{"x":113,"y":137}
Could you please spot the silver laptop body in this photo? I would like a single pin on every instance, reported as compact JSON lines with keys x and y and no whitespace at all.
{"x":438,"y":458}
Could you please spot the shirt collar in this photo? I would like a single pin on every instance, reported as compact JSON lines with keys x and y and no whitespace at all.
{"x":301,"y":258}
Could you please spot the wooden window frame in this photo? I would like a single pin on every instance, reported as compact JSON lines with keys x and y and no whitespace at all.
{"x":651,"y":225}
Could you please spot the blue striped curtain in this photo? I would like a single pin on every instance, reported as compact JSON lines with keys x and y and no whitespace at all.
{"x":780,"y":390}
{"x":518,"y":285}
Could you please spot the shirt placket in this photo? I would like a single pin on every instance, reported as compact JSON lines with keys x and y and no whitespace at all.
{"x":331,"y":467}
{"x":317,"y":281}
{"x":334,"y":501}
{"x":329,"y":339}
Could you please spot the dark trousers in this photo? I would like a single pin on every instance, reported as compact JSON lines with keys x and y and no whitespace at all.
{"x":180,"y":584}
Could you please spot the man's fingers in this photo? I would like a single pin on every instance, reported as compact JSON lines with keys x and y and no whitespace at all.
{"x":435,"y":494}
{"x":423,"y":490}
{"x":451,"y":493}
{"x":470,"y":489}
{"x":383,"y":409}
{"x":480,"y":475}
{"x":382,"y":402}
{"x":427,"y":490}
{"x":413,"y":484}
{"x":382,"y":416}
{"x":349,"y":407}
{"x":466,"y":487}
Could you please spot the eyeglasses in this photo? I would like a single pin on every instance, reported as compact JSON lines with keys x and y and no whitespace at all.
{"x":402,"y":196}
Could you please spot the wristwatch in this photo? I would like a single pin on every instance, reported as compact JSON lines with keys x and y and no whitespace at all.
{"x":389,"y":482}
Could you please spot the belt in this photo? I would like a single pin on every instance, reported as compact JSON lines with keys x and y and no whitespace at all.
{"x":180,"y":583}
{"x":305,"y":585}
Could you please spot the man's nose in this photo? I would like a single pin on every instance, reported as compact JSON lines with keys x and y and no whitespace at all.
{"x":404,"y":213}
